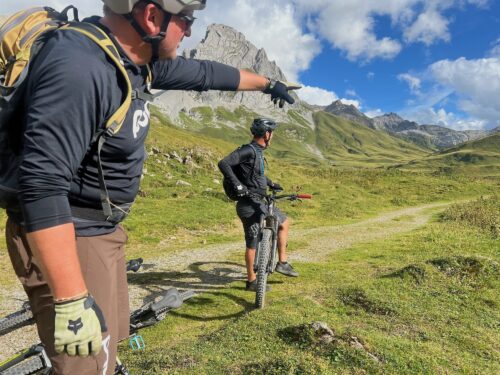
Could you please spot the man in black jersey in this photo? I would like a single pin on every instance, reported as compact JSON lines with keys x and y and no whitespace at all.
{"x":244,"y":168}
{"x":67,"y":253}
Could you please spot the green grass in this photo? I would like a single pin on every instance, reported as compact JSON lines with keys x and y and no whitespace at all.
{"x":202,"y":212}
{"x":426,"y":302}
{"x":480,"y":157}
{"x":397,"y":297}
{"x":348,"y":143}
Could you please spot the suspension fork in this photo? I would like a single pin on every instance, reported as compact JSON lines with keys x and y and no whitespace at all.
{"x":262,"y":225}
{"x":273,"y":260}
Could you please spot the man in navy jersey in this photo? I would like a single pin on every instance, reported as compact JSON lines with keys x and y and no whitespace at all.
{"x":67,"y":253}
{"x":244,"y":169}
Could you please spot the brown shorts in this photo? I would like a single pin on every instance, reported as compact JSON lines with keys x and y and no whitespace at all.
{"x":102,"y":260}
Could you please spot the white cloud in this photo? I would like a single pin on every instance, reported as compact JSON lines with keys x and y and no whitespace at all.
{"x":351,"y":92}
{"x":349,"y":25}
{"x":374,"y":113}
{"x":430,"y":116}
{"x":274,"y":26}
{"x":413,"y":82}
{"x":353,"y":102}
{"x":475,"y":82}
{"x":370,"y":75}
{"x":316,"y":95}
{"x":429,"y":27}
{"x":495,"y":51}
{"x":278,"y":26}
{"x":85,"y":8}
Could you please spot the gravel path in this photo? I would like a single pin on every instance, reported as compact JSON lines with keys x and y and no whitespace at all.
{"x":210,"y":267}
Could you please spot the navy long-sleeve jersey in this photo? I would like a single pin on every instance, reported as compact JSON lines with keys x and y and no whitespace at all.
{"x":72,"y":89}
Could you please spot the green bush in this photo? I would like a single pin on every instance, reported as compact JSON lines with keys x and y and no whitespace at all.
{"x":483,"y":213}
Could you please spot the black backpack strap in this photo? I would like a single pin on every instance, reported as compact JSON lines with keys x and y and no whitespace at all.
{"x":255,"y":159}
{"x":114,"y":123}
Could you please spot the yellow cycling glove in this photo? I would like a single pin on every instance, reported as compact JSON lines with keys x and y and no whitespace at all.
{"x":78,"y":327}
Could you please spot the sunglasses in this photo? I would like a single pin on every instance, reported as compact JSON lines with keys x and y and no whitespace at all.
{"x":188,"y":19}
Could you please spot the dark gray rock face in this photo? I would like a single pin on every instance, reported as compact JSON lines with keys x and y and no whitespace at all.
{"x":226,"y":45}
{"x":349,"y":112}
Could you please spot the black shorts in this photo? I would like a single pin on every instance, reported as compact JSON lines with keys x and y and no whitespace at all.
{"x":249,"y":212}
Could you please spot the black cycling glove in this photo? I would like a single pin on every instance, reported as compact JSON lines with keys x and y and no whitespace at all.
{"x":276,"y":187}
{"x":279,"y":92}
{"x":241,"y":190}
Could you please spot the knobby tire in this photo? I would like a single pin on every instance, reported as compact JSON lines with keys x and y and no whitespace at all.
{"x":16,"y":320}
{"x":31,"y":365}
{"x":264,"y":252}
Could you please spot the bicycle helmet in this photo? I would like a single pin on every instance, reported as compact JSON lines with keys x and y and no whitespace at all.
{"x":170,"y":6}
{"x":262,"y":125}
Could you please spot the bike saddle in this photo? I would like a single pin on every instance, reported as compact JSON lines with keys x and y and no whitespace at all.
{"x":170,"y":299}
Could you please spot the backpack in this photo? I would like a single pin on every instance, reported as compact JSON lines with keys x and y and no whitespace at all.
{"x":229,"y":188}
{"x":22,"y":36}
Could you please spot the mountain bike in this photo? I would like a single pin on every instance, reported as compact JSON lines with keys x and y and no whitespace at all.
{"x":266,"y":256}
{"x":35,"y":361}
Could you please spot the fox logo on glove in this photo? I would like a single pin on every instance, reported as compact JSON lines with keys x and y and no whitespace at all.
{"x":75,"y":325}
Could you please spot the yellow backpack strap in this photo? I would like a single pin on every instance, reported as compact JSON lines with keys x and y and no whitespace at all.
{"x":114,"y":123}
{"x":149,"y":80}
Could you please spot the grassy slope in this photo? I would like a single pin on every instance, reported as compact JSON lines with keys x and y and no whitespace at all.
{"x":341,"y":141}
{"x":479,"y":157}
{"x":408,"y":310}
{"x":432,"y":330}
{"x":167,"y":216}
{"x":348,"y":143}
{"x":201,"y":213}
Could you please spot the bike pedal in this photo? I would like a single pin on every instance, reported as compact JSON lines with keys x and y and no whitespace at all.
{"x":136,"y":342}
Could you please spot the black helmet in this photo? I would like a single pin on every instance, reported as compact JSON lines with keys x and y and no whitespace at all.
{"x":262,"y":125}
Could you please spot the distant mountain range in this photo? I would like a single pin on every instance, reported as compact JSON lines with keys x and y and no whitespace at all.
{"x":225,"y":44}
{"x":430,"y":136}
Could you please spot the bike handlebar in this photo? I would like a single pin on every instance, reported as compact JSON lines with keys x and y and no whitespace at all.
{"x":304,"y":196}
{"x":279,"y":197}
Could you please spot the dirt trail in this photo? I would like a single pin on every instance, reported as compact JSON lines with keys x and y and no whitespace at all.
{"x":210,"y":268}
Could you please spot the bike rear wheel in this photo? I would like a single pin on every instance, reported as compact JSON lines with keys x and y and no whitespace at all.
{"x":31,"y":365}
{"x":264,"y":252}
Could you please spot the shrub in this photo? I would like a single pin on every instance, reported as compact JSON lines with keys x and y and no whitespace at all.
{"x":483,"y":213}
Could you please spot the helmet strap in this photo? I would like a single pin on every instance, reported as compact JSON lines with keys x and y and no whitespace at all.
{"x":267,"y":139}
{"x":154,"y":40}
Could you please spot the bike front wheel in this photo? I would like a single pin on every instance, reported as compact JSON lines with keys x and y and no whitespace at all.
{"x":264,"y":252}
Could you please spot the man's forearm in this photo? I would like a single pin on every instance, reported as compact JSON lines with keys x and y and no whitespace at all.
{"x":252,"y":82}
{"x":55,"y":249}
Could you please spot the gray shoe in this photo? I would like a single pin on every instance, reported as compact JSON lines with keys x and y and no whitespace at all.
{"x":286,"y":269}
{"x":252,"y":286}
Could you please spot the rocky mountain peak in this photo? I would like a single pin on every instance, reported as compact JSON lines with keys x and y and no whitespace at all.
{"x":349,"y":112}
{"x":226,"y":45}
{"x":393,"y":122}
{"x":391,"y":116}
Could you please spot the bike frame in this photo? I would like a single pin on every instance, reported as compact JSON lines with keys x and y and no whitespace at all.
{"x":270,"y":221}
{"x":266,"y":254}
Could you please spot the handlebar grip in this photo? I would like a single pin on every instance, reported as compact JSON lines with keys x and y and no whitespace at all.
{"x":304,"y":196}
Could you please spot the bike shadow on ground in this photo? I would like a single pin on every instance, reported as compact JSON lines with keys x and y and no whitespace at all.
{"x":210,"y":280}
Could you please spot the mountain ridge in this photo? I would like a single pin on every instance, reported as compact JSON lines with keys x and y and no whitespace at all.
{"x":430,"y":136}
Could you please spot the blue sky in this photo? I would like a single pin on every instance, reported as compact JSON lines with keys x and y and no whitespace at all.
{"x":432,"y":61}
